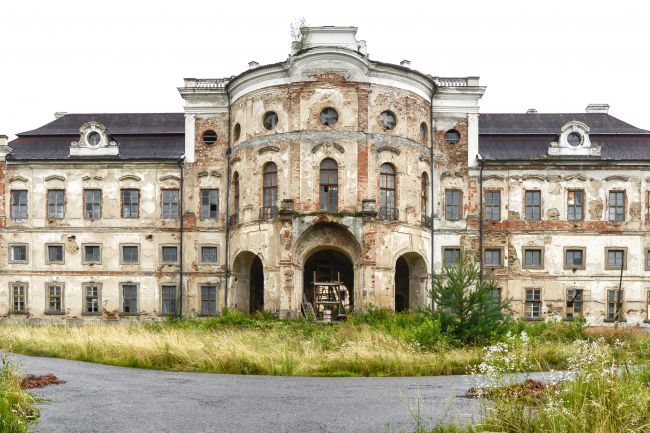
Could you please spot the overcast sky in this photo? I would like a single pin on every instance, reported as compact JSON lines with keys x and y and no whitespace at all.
{"x":129,"y":56}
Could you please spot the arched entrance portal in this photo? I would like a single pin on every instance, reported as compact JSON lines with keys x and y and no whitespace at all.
{"x":410,"y":281}
{"x":247,"y":283}
{"x":328,"y":266}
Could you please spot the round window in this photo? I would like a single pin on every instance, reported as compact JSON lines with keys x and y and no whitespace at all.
{"x":329,"y":116}
{"x":424,"y":132}
{"x":237,"y":131}
{"x":388,"y":120}
{"x":270,"y":120}
{"x":574,"y":139}
{"x":94,"y":138}
{"x":452,"y":136}
{"x":209,"y":137}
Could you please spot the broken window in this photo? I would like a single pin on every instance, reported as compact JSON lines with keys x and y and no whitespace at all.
{"x":387,"y":198}
{"x":235,"y":187}
{"x":533,"y":258}
{"x":130,"y":254}
{"x":496,"y":295}
{"x":453,"y":204}
{"x":169,"y":300}
{"x":130,"y":298}
{"x":452,"y":136}
{"x":18,"y":297}
{"x":209,"y":254}
{"x":209,"y":300}
{"x":270,"y":120}
{"x":533,"y":205}
{"x":92,"y":253}
{"x":170,"y":254}
{"x":617,"y":205}
{"x":209,"y":137}
{"x":55,"y":203}
{"x":615,"y":258}
{"x":329,"y":116}
{"x":575,"y":202}
{"x":92,"y":204}
{"x":451,"y":256}
{"x":615,"y":304}
{"x":533,"y":308}
{"x":493,"y":205}
{"x":270,"y":191}
{"x":329,"y":185}
{"x":492,"y":257}
{"x":388,"y":120}
{"x":54,"y":298}
{"x":574,"y":259}
{"x":574,"y":303}
{"x":170,"y":203}
{"x":130,"y":203}
{"x":18,"y":204}
{"x":55,"y":253}
{"x":237,"y":132}
{"x":92,"y":294}
{"x":18,"y":253}
{"x":424,"y":194}
{"x":209,"y":204}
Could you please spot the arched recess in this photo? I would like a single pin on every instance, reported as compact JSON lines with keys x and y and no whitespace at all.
{"x":247,"y":293}
{"x":328,"y":245}
{"x":410,"y":281}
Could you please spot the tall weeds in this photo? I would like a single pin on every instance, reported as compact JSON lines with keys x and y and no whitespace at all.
{"x":16,"y":406}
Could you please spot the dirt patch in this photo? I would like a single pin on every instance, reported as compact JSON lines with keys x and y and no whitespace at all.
{"x":31,"y":381}
{"x":532,"y":390}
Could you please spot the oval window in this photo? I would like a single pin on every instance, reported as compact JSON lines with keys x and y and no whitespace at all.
{"x":329,"y":116}
{"x":270,"y":120}
{"x":209,"y":137}
{"x":574,"y":139}
{"x":94,"y":138}
{"x":452,"y":136}
{"x":388,"y":120}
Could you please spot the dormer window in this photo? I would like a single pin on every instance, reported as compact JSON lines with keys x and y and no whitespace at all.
{"x":573,"y":141}
{"x":94,"y":140}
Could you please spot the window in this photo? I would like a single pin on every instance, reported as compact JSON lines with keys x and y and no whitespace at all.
{"x":169,"y":254}
{"x":18,"y":293}
{"x":208,"y":254}
{"x":616,"y":257}
{"x":130,"y":298}
{"x":451,"y":256}
{"x":170,"y":203}
{"x":18,"y":253}
{"x":533,"y":308}
{"x":209,"y":137}
{"x":533,"y":258}
{"x":94,"y":138}
{"x":452,"y":136}
{"x":452,"y":204}
{"x":617,"y":205}
{"x":92,"y":204}
{"x":424,"y":132}
{"x":424,"y":194}
{"x":54,"y":298}
{"x":574,"y":139}
{"x":235,"y":187}
{"x":130,"y":203}
{"x":270,"y":120}
{"x":493,"y":205}
{"x":168,"y":298}
{"x":388,"y":120}
{"x":208,"y":300}
{"x":496,"y":295}
{"x":647,"y":259}
{"x":55,"y":203}
{"x":387,"y":198}
{"x":574,"y":258}
{"x":130,"y":254}
{"x":329,"y":185}
{"x":647,"y":306}
{"x":533,"y":205}
{"x":18,"y":204}
{"x":209,"y":204}
{"x":575,"y":203}
{"x":92,"y":298}
{"x":574,"y":303}
{"x":270,"y":191}
{"x":329,"y":116}
{"x":614,"y":305}
{"x":237,"y":131}
{"x":55,"y":253}
{"x":92,"y":253}
{"x":492,"y":257}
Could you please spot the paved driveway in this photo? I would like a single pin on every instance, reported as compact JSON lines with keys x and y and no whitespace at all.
{"x":100,"y":398}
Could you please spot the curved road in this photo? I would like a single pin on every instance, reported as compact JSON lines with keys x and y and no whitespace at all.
{"x":101,"y":398}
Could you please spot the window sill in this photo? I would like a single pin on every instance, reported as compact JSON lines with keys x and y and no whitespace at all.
{"x":208,"y":264}
{"x":20,"y":313}
{"x":208,"y":315}
{"x":646,"y":321}
{"x":533,"y":319}
{"x":91,"y":263}
{"x":54,"y":313}
{"x":533,"y":268}
{"x":614,"y":321}
{"x":91,"y":314}
{"x":129,"y":314}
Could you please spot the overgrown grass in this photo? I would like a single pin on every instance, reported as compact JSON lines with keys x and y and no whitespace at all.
{"x":17,"y":408}
{"x":377,"y":343}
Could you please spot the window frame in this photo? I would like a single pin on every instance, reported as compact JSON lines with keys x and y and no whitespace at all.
{"x":581,"y":302}
{"x":123,"y":204}
{"x":25,"y":286}
{"x":501,"y":258}
{"x":582,"y":205}
{"x":609,"y":267}
{"x":122,"y":262}
{"x":162,"y":299}
{"x":388,"y":190}
{"x":20,"y":204}
{"x":10,"y":258}
{"x":453,"y":191}
{"x":201,"y":262}
{"x":609,"y":205}
{"x":584,"y":258}
{"x":532,"y":206}
{"x":498,"y":207}
{"x":332,"y":185}
{"x":621,"y":309}
{"x":451,"y":248}
{"x":270,"y":186}
{"x":137,"y":298}
{"x":162,"y":254}
{"x":48,"y":298}
{"x":533,"y":302}
{"x":523,"y":257}
{"x":85,"y":203}
{"x":646,"y":258}
{"x":56,"y":204}
{"x":84,"y":261}
{"x":84,"y":298}
{"x":216,"y":286}
{"x":169,"y":206}
{"x":47,"y":253}
{"x":209,"y":203}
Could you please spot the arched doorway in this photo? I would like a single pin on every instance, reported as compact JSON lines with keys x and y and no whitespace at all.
{"x":247,"y":283}
{"x":328,"y":265}
{"x":410,"y":281}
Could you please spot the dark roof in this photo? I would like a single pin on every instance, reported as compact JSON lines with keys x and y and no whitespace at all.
{"x":522,"y":136}
{"x":140,"y":136}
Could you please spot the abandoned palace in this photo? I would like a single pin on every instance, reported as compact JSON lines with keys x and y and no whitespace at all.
{"x":325,"y":168}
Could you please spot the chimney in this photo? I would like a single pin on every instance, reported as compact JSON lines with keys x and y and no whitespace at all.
{"x":4,"y":147}
{"x":531,"y":111}
{"x":597,"y":108}
{"x":253,"y":64}
{"x":59,"y":114}
{"x":405,"y":63}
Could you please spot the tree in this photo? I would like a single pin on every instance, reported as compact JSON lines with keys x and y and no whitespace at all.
{"x":473,"y":310}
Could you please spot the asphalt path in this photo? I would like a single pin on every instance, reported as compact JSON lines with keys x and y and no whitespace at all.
{"x":102,"y":398}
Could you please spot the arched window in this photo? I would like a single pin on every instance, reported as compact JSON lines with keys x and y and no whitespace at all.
{"x":329,"y":185}
{"x":270,"y":191}
{"x":388,"y":203}
{"x":234,"y":218}
{"x":424,"y":194}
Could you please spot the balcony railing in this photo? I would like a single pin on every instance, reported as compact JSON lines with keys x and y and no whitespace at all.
{"x":268,"y":212}
{"x":388,"y":213}
{"x":426,"y":221}
{"x":233,"y":220}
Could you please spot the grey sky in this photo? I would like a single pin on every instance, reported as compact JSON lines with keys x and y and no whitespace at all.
{"x":129,"y":56}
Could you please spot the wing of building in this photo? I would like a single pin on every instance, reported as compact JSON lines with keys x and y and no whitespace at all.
{"x":325,"y":181}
